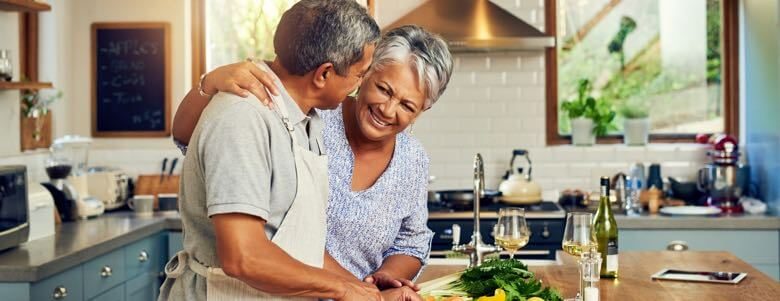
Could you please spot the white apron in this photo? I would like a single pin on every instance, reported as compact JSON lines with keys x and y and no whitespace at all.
{"x":301,"y":233}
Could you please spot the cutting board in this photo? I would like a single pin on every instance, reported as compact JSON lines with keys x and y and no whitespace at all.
{"x":153,"y":185}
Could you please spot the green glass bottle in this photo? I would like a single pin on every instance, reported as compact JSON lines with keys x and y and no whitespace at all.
{"x":606,"y":232}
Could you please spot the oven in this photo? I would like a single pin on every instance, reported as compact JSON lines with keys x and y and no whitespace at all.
{"x":546,"y":222}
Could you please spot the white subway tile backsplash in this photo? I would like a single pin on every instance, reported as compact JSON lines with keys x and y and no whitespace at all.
{"x":568,"y":154}
{"x":490,"y":79}
{"x":473,"y":63}
{"x":522,"y":78}
{"x":473,"y":94}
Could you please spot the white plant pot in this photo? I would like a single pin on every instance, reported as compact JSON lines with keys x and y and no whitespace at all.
{"x":582,"y":131}
{"x":636,"y":131}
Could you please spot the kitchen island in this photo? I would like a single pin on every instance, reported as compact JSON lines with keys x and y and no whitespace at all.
{"x":636,"y":268}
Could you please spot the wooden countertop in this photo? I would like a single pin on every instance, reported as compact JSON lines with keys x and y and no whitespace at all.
{"x":635,"y":283}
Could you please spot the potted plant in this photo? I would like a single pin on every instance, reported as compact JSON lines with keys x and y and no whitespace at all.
{"x":636,"y":124}
{"x":590,"y":117}
{"x":36,"y":117}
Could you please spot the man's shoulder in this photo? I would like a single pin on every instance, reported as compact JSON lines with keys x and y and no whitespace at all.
{"x":225,"y":103}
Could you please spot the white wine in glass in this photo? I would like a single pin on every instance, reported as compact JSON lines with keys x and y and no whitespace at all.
{"x":578,"y":238}
{"x":511,"y":232}
{"x":576,"y":248}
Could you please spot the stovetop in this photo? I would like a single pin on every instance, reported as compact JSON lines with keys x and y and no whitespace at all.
{"x":542,"y":210}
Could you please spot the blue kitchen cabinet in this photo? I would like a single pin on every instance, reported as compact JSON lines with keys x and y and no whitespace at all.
{"x":144,"y":287}
{"x":67,"y":285}
{"x":760,"y":248}
{"x":115,"y":294}
{"x":175,"y":243}
{"x":132,"y":272}
{"x":103,"y":273}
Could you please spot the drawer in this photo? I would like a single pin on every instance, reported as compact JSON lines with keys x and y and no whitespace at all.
{"x":142,"y":288}
{"x":67,"y":285}
{"x":104,"y":273}
{"x":752,"y":246}
{"x":115,"y":294}
{"x":175,"y":243}
{"x":146,"y":255}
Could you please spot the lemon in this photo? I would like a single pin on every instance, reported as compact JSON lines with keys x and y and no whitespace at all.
{"x":535,"y":299}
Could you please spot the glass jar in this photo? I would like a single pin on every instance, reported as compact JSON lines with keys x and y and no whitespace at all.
{"x":6,"y":69}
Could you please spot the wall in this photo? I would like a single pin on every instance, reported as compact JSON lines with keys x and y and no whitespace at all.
{"x":65,"y":61}
{"x":495,"y":103}
{"x":9,"y":99}
{"x":761,"y":94}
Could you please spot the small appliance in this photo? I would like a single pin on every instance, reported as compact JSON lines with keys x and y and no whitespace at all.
{"x":720,"y":179}
{"x":518,"y":189}
{"x":108,"y":185}
{"x":41,"y":206}
{"x":66,"y":167}
{"x":14,"y":216}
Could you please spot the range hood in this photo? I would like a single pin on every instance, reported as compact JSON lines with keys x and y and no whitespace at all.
{"x":475,"y":26}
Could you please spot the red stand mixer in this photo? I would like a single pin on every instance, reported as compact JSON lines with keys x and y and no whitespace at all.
{"x":721,"y":179}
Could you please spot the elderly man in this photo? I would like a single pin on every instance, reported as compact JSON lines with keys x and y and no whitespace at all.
{"x":254,"y":184}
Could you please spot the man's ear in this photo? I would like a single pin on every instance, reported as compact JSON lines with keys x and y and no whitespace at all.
{"x":322,"y":73}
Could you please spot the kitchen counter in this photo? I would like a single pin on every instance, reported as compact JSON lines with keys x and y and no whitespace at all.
{"x":77,"y":242}
{"x":635,"y":283}
{"x":737,"y":222}
{"x":657,"y":221}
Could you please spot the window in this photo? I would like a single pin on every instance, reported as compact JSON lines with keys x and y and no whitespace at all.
{"x":674,"y":60}
{"x":225,"y":32}
{"x":238,"y":29}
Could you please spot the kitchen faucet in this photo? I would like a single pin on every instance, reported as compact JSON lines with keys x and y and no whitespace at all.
{"x":476,"y":249}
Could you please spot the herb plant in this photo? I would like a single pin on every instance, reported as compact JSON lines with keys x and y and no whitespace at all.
{"x":585,"y":105}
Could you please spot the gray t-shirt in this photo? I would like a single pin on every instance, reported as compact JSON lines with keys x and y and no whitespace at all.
{"x":239,"y":160}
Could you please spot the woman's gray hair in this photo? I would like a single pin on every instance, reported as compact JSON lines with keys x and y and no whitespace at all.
{"x":427,"y":53}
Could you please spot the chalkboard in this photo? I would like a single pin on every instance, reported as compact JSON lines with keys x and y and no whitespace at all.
{"x":131,"y":80}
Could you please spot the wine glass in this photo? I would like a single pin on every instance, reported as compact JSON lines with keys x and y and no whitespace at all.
{"x":578,"y":239}
{"x":511,"y":231}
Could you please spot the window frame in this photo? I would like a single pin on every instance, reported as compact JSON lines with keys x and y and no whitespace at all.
{"x":730,"y":80}
{"x":199,"y":37}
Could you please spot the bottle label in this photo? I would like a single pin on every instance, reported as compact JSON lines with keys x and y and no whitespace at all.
{"x":612,"y":255}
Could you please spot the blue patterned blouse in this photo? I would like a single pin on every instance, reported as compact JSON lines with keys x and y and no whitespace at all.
{"x":389,"y":218}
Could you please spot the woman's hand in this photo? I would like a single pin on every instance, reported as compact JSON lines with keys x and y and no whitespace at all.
{"x":384,"y":280}
{"x":401,"y":294}
{"x":242,"y":79}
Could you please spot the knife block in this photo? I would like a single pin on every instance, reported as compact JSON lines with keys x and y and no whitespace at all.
{"x":156,"y":184}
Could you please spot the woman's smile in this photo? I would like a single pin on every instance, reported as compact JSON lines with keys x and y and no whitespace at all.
{"x":377,"y":119}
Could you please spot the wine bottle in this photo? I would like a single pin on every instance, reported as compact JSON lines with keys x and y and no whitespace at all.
{"x":605,"y":228}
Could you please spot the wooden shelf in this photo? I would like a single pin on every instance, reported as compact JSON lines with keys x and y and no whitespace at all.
{"x":24,"y":85}
{"x":23,"y":6}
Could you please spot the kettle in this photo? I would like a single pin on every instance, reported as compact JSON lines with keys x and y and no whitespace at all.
{"x":517,"y":188}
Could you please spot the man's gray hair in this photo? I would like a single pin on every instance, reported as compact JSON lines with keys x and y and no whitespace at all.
{"x":427,"y":53}
{"x":315,"y":32}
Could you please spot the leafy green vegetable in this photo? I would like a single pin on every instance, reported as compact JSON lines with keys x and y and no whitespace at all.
{"x":510,"y":275}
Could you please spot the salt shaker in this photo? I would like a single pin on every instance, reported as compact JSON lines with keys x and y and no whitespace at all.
{"x":591,"y":273}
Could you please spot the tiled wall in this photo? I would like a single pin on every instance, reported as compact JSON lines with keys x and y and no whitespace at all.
{"x":496,"y":103}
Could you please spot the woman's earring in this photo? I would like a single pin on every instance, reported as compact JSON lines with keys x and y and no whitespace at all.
{"x":411,"y":129}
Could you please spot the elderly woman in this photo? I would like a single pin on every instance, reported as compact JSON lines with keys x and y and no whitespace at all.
{"x":378,"y":172}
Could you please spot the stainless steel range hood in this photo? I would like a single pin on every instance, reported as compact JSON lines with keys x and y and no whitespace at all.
{"x":476,"y":26}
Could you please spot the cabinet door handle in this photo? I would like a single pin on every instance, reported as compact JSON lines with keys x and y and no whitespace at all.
{"x":105,"y":272}
{"x":545,"y":232}
{"x":60,"y":292}
{"x":143,"y":256}
{"x":677,"y":245}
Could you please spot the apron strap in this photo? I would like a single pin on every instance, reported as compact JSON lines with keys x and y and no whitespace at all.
{"x":179,"y":263}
